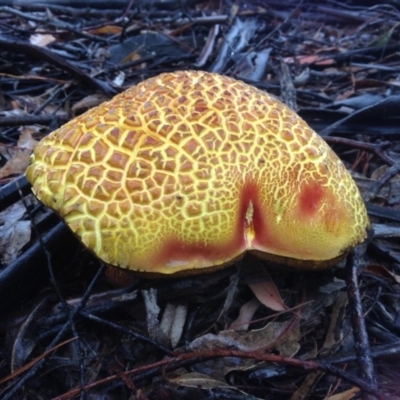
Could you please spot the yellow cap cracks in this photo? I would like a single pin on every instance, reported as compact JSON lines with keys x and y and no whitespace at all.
{"x":189,"y":170}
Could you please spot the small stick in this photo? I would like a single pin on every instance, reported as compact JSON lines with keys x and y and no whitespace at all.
{"x":361,"y":347}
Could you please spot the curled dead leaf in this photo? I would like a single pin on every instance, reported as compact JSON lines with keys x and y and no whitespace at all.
{"x":267,"y":293}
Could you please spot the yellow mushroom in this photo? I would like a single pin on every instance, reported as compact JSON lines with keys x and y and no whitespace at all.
{"x":189,"y":170}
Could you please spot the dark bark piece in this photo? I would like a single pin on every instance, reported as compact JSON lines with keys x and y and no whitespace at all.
{"x":47,"y":55}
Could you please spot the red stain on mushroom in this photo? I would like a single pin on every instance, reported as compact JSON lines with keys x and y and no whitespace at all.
{"x":310,"y":199}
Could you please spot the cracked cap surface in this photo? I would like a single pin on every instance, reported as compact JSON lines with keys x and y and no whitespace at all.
{"x":188,"y":170}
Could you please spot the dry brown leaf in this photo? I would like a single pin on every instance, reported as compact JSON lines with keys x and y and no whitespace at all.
{"x":266,"y":337}
{"x":133,"y":56}
{"x":312,"y":352}
{"x":306,"y":387}
{"x":14,"y":233}
{"x":106,"y":30}
{"x":203,"y":381}
{"x":380,"y":171}
{"x":332,"y":338}
{"x":19,"y":159}
{"x":335,"y":332}
{"x":267,"y":293}
{"x":288,"y":345}
{"x":24,"y":103}
{"x":16,"y":164}
{"x":344,"y":95}
{"x":26,"y":140}
{"x":198,"y":380}
{"x":346,"y":395}
{"x":246,"y":314}
{"x":88,"y":102}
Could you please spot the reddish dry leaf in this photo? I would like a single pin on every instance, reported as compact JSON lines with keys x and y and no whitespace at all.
{"x":267,"y":293}
{"x":368,"y":83}
{"x":246,"y":314}
{"x":311,"y":60}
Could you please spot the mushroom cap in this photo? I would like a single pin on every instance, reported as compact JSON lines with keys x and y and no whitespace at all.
{"x":189,"y":170}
